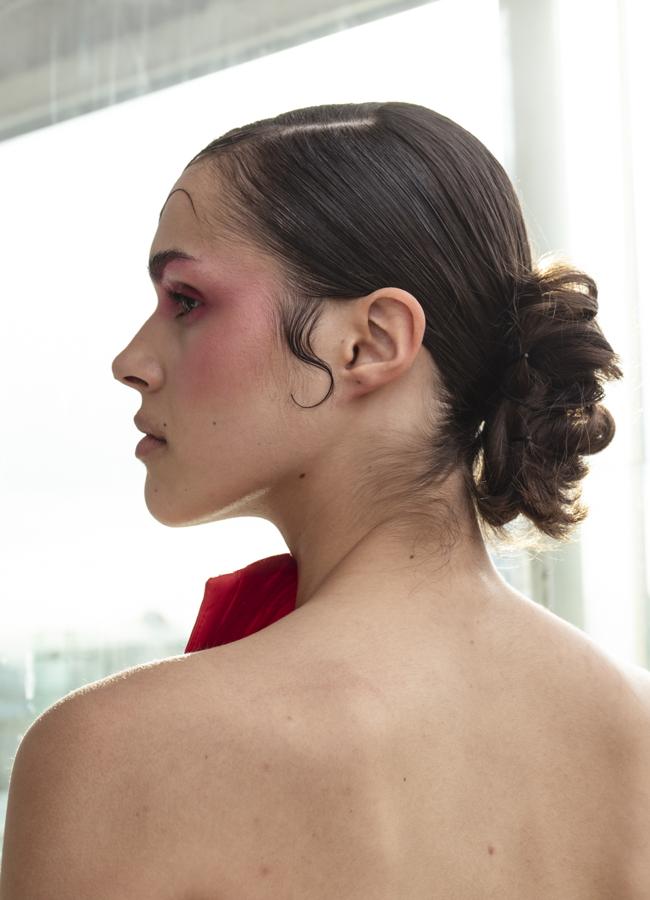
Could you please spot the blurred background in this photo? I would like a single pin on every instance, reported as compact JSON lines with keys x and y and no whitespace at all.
{"x":101,"y":106}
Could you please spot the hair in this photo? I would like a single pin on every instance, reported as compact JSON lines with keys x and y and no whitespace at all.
{"x":352,"y":197}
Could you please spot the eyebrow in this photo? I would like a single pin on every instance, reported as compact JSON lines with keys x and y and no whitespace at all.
{"x":160,"y":260}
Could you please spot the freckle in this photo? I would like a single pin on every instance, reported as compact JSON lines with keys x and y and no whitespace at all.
{"x":471,"y":642}
{"x":264,"y":870}
{"x":404,"y":779}
{"x":164,"y":424}
{"x":490,"y":849}
{"x":302,"y":475}
{"x":206,"y":756}
{"x":358,"y":382}
{"x":290,"y":718}
{"x":412,"y":556}
{"x":214,"y":423}
{"x":266,"y":766}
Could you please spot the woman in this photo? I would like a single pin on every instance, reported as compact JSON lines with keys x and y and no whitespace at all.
{"x":353,"y":342}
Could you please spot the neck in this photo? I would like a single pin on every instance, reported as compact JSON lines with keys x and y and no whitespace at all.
{"x":386,"y":562}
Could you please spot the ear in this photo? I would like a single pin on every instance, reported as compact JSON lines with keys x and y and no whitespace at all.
{"x":382,"y":335}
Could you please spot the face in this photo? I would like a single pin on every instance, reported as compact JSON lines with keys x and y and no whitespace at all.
{"x":211,"y":371}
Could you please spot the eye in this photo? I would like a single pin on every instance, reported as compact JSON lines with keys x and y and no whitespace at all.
{"x":183,"y":300}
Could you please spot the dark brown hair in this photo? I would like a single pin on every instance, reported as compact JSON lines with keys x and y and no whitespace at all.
{"x":353,"y":197}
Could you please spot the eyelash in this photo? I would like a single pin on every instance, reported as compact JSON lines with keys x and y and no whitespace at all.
{"x":180,"y":300}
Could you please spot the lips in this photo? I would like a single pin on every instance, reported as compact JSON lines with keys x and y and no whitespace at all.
{"x":148,"y":428}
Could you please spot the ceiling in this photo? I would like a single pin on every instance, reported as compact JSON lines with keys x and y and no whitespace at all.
{"x":64,"y":58}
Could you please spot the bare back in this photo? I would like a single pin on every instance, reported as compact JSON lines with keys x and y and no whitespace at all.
{"x":321,"y":758}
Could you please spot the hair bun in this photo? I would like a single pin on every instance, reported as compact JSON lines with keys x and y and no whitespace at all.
{"x":554,"y":401}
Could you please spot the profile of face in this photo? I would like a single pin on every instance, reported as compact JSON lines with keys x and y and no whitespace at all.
{"x":216,"y":377}
{"x":213,"y":376}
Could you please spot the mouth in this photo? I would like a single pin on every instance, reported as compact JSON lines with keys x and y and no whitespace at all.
{"x":148,"y":444}
{"x":142,"y":426}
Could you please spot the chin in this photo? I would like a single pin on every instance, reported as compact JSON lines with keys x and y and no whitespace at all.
{"x":165,"y":511}
{"x":175,"y":511}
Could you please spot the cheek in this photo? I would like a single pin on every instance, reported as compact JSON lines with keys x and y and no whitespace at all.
{"x":221,"y":367}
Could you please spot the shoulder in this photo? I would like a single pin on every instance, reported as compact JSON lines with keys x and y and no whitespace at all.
{"x":85,"y":789}
{"x":635,"y":774}
{"x":612,"y":698}
{"x":60,"y":804}
{"x":636,"y":716}
{"x":639,"y":680}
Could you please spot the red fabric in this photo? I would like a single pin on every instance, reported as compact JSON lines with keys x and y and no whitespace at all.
{"x":243,"y":602}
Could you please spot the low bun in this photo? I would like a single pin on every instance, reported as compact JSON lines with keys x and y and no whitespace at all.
{"x":545,"y":414}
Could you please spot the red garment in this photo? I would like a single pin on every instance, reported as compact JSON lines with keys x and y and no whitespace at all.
{"x":243,"y":602}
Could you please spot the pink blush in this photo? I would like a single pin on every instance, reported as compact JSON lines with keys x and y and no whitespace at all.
{"x":222,"y":363}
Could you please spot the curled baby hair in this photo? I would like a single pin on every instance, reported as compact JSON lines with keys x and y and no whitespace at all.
{"x":353,"y":197}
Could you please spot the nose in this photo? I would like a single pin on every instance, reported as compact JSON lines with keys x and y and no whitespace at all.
{"x":137,"y":369}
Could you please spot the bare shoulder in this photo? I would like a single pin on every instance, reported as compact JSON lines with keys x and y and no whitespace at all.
{"x":636,"y":764}
{"x":609,"y":700}
{"x":639,"y":680}
{"x":244,"y":760}
{"x":75,"y":799}
{"x":289,"y":744}
{"x":233,"y":762}
{"x":116,"y":771}
{"x":613,"y":694}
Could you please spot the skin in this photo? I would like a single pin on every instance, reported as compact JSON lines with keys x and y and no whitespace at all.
{"x":400,"y":729}
{"x":217,"y":383}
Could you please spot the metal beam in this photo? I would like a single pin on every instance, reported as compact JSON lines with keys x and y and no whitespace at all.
{"x":64,"y":58}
